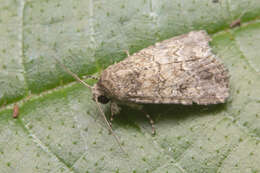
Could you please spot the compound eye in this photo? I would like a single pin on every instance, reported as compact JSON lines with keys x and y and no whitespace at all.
{"x":103,"y":99}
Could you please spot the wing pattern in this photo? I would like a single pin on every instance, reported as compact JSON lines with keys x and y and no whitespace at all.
{"x":178,"y":70}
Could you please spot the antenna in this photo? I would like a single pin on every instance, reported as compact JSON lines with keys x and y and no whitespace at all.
{"x":99,"y":107}
{"x":72,"y":74}
{"x":108,"y":125}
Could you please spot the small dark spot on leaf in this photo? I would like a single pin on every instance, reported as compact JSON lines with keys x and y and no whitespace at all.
{"x":30,"y":126}
{"x":245,"y":123}
{"x":240,"y":139}
{"x":84,"y":158}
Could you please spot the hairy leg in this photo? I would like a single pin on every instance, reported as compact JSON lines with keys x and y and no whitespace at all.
{"x":150,"y":120}
{"x":114,"y":109}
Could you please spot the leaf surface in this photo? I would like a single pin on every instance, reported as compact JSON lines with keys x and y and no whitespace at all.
{"x":59,"y":127}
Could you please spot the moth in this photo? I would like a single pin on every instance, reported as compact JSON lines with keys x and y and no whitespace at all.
{"x":179,"y":70}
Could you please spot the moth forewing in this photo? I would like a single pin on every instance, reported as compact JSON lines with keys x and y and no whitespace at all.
{"x":180,"y":70}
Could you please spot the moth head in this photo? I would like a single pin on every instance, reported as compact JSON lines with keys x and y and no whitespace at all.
{"x":99,"y":94}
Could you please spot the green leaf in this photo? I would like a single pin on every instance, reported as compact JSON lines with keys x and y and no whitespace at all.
{"x":59,"y":128}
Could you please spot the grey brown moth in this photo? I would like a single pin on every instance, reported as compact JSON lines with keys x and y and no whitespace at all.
{"x":180,"y":70}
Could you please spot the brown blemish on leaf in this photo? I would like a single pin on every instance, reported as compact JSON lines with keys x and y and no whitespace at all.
{"x":15,"y":111}
{"x":235,"y":23}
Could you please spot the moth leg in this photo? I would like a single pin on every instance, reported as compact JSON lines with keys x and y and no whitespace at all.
{"x":111,"y":117}
{"x":151,"y":121}
{"x":114,"y":109}
{"x":127,"y":53}
{"x":140,"y":107}
{"x":90,"y":77}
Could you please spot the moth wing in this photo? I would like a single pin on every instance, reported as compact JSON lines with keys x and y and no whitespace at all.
{"x":178,"y":70}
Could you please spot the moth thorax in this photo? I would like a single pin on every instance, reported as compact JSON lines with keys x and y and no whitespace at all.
{"x":99,"y":94}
